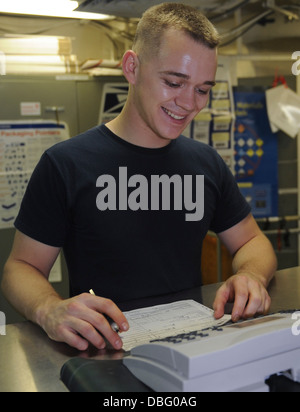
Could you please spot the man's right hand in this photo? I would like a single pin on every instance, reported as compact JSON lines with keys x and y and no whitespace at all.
{"x":81,"y":320}
{"x":77,"y":321}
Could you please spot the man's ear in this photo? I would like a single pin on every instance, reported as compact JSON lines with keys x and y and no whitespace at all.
{"x":130,"y":66}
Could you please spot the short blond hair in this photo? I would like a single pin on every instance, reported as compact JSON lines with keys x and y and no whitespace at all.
{"x":157,"y":19}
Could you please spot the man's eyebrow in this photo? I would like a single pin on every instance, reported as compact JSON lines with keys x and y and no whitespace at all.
{"x":186,"y":77}
{"x":210,"y":83}
{"x":177,"y":74}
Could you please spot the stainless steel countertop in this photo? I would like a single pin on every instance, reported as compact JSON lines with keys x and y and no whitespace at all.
{"x":31,"y":362}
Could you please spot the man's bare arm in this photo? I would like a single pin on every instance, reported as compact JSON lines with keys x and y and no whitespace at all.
{"x":75,"y":321}
{"x":25,"y":277}
{"x":254,"y":264}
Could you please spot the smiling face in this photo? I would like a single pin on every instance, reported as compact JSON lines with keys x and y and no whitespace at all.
{"x":169,"y":89}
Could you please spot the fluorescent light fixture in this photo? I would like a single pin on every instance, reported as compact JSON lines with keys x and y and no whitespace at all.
{"x":52,"y":8}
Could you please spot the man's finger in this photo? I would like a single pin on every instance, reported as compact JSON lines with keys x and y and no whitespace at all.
{"x":259,"y":303}
{"x":240,"y":301}
{"x":220,"y":301}
{"x":108,"y":307}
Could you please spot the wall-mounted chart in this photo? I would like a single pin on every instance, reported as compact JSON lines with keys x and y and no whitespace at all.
{"x":256,"y":156}
{"x":21,"y":146}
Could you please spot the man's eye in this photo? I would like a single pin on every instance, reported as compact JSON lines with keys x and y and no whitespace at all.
{"x":204,"y":92}
{"x":172,"y":84}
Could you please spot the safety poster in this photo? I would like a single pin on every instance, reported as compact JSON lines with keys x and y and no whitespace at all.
{"x":21,"y":146}
{"x":256,"y":154}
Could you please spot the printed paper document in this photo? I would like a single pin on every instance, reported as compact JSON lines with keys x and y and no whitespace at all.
{"x":157,"y":322}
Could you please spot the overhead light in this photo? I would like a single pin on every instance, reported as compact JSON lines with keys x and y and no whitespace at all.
{"x":51,"y":8}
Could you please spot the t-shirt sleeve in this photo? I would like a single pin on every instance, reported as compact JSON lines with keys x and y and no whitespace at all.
{"x":43,"y":211}
{"x":232,"y":207}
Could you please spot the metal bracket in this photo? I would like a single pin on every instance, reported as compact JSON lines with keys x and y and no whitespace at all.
{"x":271,"y":5}
{"x":56,"y":110}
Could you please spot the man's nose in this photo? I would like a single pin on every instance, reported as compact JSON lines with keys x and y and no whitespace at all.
{"x":186,"y":100}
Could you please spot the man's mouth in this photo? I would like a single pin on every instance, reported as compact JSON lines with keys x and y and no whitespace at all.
{"x":173,"y":115}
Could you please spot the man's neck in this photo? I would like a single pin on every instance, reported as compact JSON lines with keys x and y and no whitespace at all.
{"x":127,"y":128}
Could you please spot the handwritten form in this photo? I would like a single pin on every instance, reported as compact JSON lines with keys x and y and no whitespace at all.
{"x":157,"y":322}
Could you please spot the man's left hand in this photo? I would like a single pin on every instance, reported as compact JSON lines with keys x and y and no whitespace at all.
{"x":248,"y":293}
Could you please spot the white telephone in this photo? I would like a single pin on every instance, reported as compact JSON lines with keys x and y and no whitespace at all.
{"x":235,"y":357}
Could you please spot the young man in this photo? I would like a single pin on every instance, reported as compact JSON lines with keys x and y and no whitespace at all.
{"x":130,"y":202}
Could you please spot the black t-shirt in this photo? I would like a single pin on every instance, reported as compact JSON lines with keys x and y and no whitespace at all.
{"x":131,"y":220}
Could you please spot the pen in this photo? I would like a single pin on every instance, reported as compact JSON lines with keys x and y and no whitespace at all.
{"x":113,"y":324}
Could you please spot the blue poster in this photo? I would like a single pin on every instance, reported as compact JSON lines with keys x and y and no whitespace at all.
{"x":256,"y":154}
